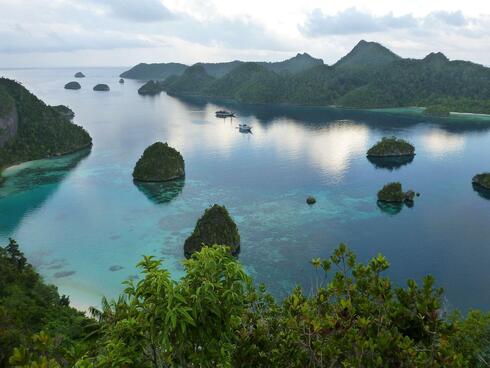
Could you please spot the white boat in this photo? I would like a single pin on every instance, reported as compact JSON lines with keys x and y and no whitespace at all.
{"x":245,"y":128}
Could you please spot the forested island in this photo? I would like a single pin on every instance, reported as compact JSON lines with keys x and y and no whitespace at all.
{"x":159,"y":163}
{"x":214,"y":316}
{"x":31,"y":130}
{"x":370,"y":76}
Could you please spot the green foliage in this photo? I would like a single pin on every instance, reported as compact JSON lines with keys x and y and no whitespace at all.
{"x":192,"y":82}
{"x":391,"y":192}
{"x":64,"y":111}
{"x":28,"y":306}
{"x":370,"y":76}
{"x":73,"y":85}
{"x":214,"y":227}
{"x":163,"y":323}
{"x":159,"y":162}
{"x":391,"y":147}
{"x":42,"y":132}
{"x":154,"y":71}
{"x":482,"y":180}
{"x":214,"y":317}
{"x":6,"y":102}
{"x":151,"y":88}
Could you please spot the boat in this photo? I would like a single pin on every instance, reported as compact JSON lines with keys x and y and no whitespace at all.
{"x":224,"y":114}
{"x":244,"y":128}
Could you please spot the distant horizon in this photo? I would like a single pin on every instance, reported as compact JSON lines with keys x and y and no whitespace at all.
{"x":233,"y":59}
{"x":98,"y":33}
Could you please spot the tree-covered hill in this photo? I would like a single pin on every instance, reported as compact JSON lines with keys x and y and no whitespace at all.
{"x":41,"y":130}
{"x":157,"y":71}
{"x":160,"y":71}
{"x":370,"y":76}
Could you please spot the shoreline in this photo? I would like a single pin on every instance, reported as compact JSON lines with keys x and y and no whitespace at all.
{"x":75,"y":150}
{"x":410,"y":110}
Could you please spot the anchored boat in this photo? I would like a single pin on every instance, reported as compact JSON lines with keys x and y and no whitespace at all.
{"x":224,"y":114}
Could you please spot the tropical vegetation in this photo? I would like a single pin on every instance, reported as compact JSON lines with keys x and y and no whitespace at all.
{"x":391,"y":147}
{"x":159,"y":162}
{"x":214,"y":316}
{"x":42,"y":131}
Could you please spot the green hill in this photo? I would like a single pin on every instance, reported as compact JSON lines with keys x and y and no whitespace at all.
{"x":193,"y":81}
{"x":160,"y":71}
{"x":370,"y":76}
{"x":41,"y":131}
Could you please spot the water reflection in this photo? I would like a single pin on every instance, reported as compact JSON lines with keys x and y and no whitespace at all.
{"x":440,"y":143}
{"x":29,"y":185}
{"x":482,"y":192}
{"x":389,"y":208}
{"x":390,"y":163}
{"x":160,"y":193}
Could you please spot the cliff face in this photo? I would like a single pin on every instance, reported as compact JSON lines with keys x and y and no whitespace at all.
{"x":8,"y":126}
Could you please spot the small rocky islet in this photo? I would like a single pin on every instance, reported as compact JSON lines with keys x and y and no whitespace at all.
{"x":215,"y":227}
{"x":73,"y":85}
{"x":391,"y":147}
{"x":482,"y":181}
{"x":79,"y":75}
{"x":393,"y":193}
{"x":159,"y":163}
{"x":121,"y":81}
{"x":101,"y":87}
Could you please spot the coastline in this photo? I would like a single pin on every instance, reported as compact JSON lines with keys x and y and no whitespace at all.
{"x":9,"y":166}
{"x":399,"y":110}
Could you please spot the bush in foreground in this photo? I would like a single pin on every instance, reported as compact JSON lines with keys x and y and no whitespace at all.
{"x":214,"y":317}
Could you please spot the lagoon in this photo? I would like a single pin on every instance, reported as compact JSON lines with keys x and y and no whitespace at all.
{"x":85,"y":225}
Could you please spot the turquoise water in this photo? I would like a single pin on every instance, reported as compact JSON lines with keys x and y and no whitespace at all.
{"x":84,"y":223}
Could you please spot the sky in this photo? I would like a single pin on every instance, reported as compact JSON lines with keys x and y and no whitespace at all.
{"x":69,"y":33}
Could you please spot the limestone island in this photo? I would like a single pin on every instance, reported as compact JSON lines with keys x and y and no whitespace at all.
{"x":64,"y":111}
{"x":393,"y":193}
{"x":102,"y":87}
{"x":215,"y":227}
{"x":31,"y":130}
{"x":482,"y":180}
{"x":151,"y":88}
{"x":159,"y":163}
{"x":121,"y":81}
{"x":391,"y":147}
{"x":79,"y":75}
{"x":73,"y":85}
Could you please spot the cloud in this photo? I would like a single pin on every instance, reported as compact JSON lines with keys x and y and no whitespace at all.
{"x":18,"y":38}
{"x":139,"y":11}
{"x":353,"y":21}
{"x":231,"y":33}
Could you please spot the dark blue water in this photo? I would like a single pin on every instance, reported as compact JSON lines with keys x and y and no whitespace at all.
{"x":78,"y":216}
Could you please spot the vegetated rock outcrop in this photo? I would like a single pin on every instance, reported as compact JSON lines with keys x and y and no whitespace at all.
{"x":393,"y":193}
{"x":215,"y":227}
{"x":159,"y":163}
{"x":121,"y":81}
{"x":79,"y":75}
{"x":151,"y":88}
{"x":102,"y":87}
{"x":64,"y":111}
{"x":41,"y":131}
{"x":311,"y":200}
{"x":73,"y":85}
{"x":482,"y":180}
{"x":390,"y":147}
